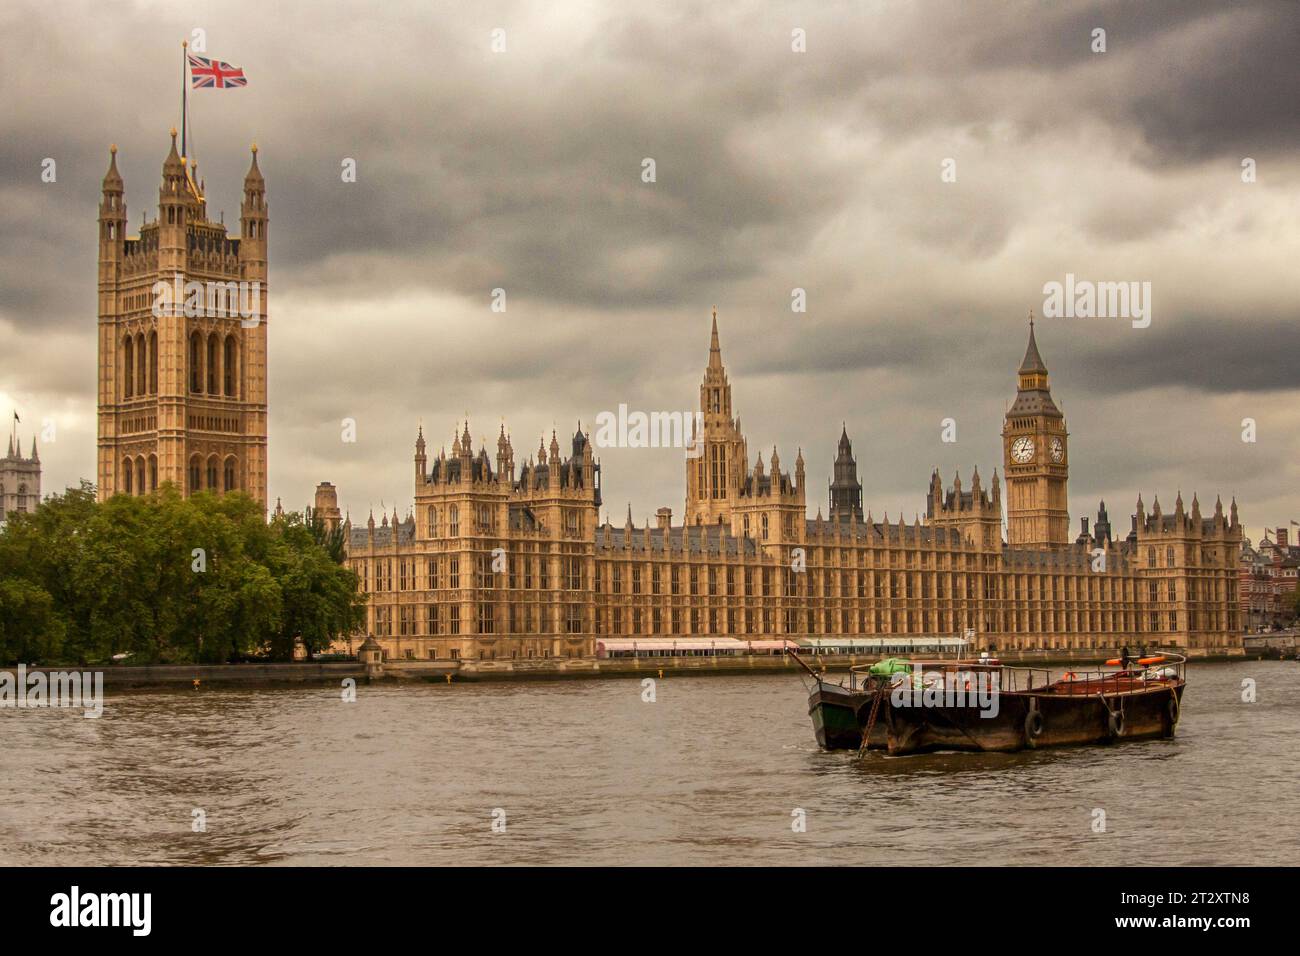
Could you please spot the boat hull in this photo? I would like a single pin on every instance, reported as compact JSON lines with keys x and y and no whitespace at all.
{"x":1030,"y":720}
{"x":839,"y":715}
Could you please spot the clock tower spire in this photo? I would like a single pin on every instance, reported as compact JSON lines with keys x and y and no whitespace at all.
{"x":1034,"y":446}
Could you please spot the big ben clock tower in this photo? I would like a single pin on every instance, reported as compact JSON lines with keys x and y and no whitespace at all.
{"x":1035,"y":455}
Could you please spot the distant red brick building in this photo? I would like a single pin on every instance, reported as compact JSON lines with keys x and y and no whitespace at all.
{"x":1268,"y":576}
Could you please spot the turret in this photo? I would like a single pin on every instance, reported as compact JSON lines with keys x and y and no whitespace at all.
{"x":421,"y":460}
{"x":173,"y":210}
{"x":505,"y":457}
{"x":112,"y":217}
{"x":845,"y":489}
{"x":1102,"y":533}
{"x":254,"y":216}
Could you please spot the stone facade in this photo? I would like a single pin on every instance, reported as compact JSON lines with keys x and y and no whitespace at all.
{"x":182,"y":382}
{"x":20,"y":480}
{"x":495,"y":562}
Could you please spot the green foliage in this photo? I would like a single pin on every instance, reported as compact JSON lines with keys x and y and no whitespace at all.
{"x":331,"y":539}
{"x":168,"y":579}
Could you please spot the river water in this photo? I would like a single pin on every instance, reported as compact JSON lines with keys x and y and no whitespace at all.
{"x":713,"y":771}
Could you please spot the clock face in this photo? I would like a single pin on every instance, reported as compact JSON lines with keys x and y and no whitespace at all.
{"x":1022,"y":450}
{"x":1058,"y":450}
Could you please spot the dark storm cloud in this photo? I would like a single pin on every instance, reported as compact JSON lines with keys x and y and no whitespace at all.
{"x":1196,"y":354}
{"x":775,"y":170}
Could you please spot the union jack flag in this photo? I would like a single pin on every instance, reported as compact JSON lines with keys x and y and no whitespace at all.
{"x":213,"y":74}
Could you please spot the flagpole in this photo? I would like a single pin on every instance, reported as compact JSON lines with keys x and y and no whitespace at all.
{"x":185,"y":44}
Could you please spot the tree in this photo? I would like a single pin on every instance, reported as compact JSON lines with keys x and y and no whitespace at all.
{"x":322,"y":601}
{"x":29,"y":628}
{"x":331,"y":539}
{"x":168,"y":579}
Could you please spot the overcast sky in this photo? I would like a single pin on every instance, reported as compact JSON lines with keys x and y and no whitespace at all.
{"x":775,"y":169}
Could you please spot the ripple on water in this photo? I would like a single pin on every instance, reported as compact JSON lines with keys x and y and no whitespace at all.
{"x":586,"y":772}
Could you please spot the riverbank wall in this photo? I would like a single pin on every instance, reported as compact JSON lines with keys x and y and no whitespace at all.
{"x":577,"y":668}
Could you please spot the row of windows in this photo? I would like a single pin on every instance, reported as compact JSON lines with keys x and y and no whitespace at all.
{"x":497,"y":570}
{"x":414,"y":620}
{"x":139,"y":371}
{"x":133,"y":424}
{"x":22,"y":500}
{"x":139,"y":476}
{"x":485,"y":520}
{"x":432,"y":574}
{"x":214,"y":365}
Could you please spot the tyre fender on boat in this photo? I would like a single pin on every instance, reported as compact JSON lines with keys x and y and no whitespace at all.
{"x":1174,"y":707}
{"x":1033,"y":724}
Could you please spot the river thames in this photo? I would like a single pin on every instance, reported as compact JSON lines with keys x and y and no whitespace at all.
{"x":714,"y":771}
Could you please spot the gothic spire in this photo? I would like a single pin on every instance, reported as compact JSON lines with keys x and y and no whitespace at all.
{"x":1033,"y":362}
{"x":715,"y":350}
{"x":112,"y":178}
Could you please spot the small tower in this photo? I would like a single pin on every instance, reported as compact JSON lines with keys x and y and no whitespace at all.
{"x":326,"y":505}
{"x":254,"y":217}
{"x":846,"y":489}
{"x":112,"y":222}
{"x":421,"y":459}
{"x":20,"y":480}
{"x":715,"y":464}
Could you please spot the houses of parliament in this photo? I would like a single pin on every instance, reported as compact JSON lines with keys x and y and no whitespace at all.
{"x":502,"y":559}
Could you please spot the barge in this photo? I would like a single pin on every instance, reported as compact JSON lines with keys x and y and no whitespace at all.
{"x":907,"y":707}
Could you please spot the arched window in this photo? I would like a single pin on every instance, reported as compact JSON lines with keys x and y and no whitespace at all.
{"x":142,"y":366}
{"x":764,"y":527}
{"x":139,"y":476}
{"x":212,"y":472}
{"x":213,"y":380}
{"x":196,"y":362}
{"x":153,"y":472}
{"x":153,"y":363}
{"x":228,"y":477}
{"x":228,"y":366}
{"x":128,"y":368}
{"x":433,"y":522}
{"x":196,"y":477}
{"x":453,"y":521}
{"x":128,"y":475}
